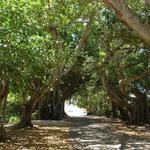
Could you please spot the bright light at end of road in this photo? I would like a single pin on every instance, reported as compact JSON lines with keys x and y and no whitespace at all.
{"x":73,"y":110}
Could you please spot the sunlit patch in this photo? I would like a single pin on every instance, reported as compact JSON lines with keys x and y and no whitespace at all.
{"x":73,"y":110}
{"x":100,"y":146}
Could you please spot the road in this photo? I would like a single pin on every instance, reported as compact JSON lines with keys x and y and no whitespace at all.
{"x":100,"y":133}
{"x":78,"y":133}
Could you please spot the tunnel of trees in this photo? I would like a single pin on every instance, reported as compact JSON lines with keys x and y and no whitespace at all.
{"x":94,"y":52}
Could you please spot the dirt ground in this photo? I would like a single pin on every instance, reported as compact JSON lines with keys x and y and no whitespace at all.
{"x":79,"y":133}
{"x":46,"y":135}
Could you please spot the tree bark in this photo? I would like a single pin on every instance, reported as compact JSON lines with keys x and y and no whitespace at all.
{"x":3,"y":135}
{"x":113,"y":96}
{"x":52,"y":107}
{"x":139,"y":111}
{"x":3,"y":99}
{"x":26,"y":115}
{"x":27,"y":109}
{"x":114,"y":110}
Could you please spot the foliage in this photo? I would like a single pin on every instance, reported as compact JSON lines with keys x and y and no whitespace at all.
{"x":14,"y":104}
{"x":95,"y":102}
{"x":13,"y":120}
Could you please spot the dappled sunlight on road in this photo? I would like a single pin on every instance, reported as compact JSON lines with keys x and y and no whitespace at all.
{"x":101,"y":133}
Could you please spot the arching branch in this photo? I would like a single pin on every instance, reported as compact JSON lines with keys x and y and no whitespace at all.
{"x":123,"y":83}
{"x":130,"y":18}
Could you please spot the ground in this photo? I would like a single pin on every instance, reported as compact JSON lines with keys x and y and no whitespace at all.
{"x":101,"y":133}
{"x":46,"y":135}
{"x":79,"y":133}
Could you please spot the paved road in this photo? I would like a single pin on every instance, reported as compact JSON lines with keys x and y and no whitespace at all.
{"x":98,"y":133}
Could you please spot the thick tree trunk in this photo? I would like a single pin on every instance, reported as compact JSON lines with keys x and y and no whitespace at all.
{"x":3,"y":99}
{"x":28,"y":107}
{"x":26,"y":116}
{"x":53,"y":107}
{"x":139,"y":111}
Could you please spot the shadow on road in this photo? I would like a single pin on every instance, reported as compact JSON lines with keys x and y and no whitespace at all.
{"x":98,"y":133}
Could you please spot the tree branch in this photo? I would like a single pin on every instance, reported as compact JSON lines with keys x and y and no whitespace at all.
{"x":86,"y":32}
{"x":117,"y":100}
{"x":130,"y":18}
{"x":124,"y":82}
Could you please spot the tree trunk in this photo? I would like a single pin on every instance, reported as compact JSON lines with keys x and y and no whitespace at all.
{"x":53,"y":107}
{"x":2,"y":130}
{"x":139,"y":111}
{"x":26,"y":115}
{"x":114,"y":110}
{"x":124,"y":114}
{"x":3,"y":99}
{"x":28,"y":107}
{"x":2,"y":122}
